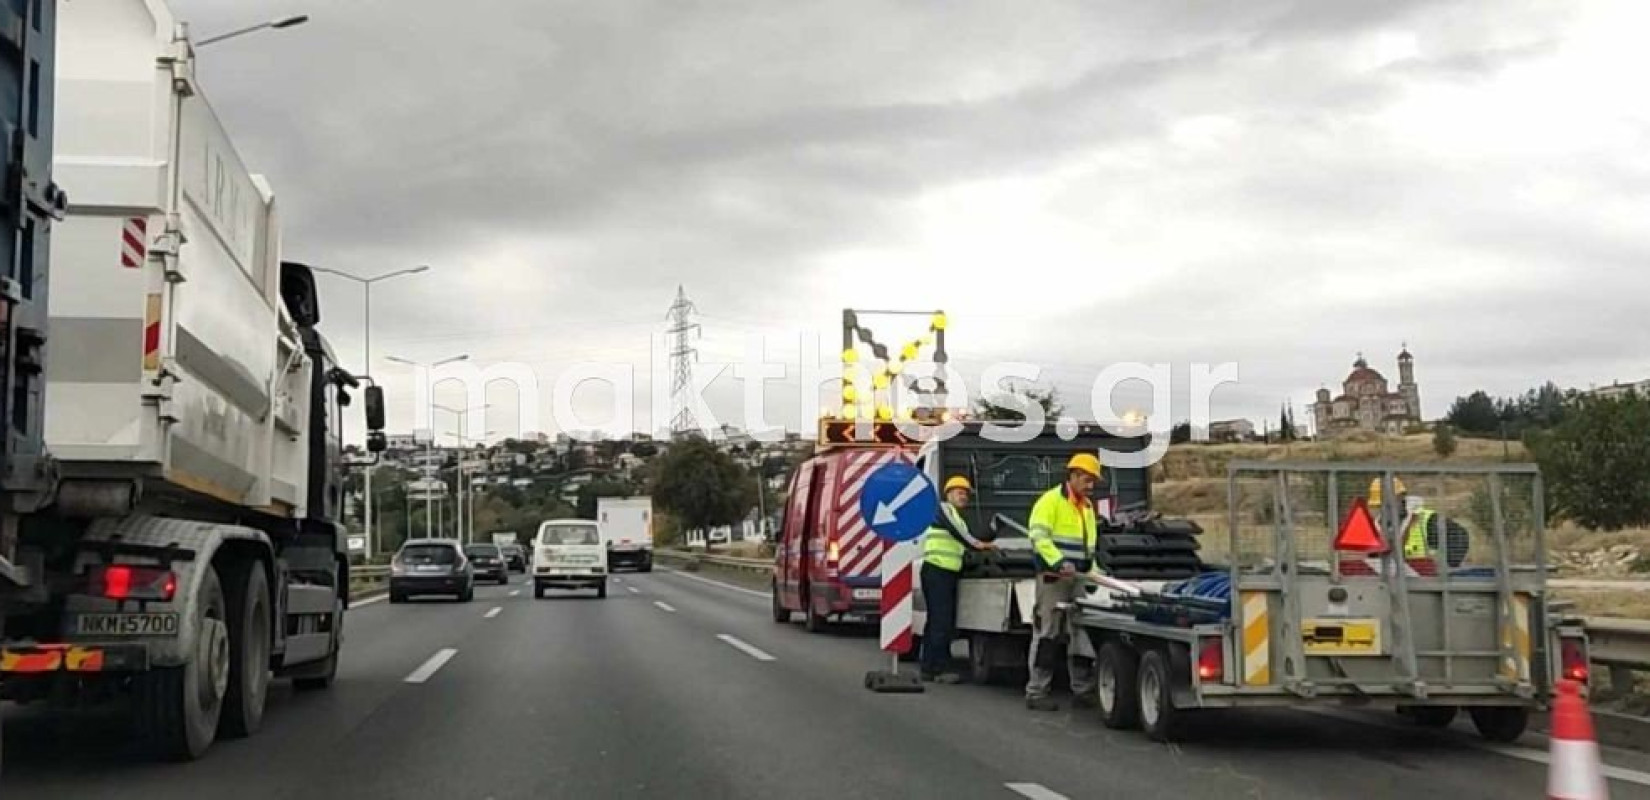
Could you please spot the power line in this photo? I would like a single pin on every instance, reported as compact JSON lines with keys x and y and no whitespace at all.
{"x":682,"y":356}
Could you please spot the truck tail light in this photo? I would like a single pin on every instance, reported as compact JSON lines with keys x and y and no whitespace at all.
{"x":1572,"y":658}
{"x":127,"y":582}
{"x":1211,"y":659}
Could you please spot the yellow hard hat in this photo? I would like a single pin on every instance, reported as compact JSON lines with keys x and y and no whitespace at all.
{"x":958,"y":482}
{"x":1375,"y":489}
{"x":1086,"y":462}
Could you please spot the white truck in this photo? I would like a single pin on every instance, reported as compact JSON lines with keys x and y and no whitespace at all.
{"x":627,"y":530}
{"x":180,"y":540}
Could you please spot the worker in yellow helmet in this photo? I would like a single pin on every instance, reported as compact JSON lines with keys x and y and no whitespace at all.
{"x":943,"y":547}
{"x":1416,"y":522}
{"x":1063,"y":531}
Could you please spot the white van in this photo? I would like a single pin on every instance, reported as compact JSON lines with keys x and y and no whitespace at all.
{"x":569,"y":554}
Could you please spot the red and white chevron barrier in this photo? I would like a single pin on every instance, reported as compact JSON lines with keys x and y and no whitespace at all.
{"x":897,"y":596}
{"x":1573,"y":769}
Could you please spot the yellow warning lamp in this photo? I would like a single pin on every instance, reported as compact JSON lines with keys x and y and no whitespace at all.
{"x":868,"y":409}
{"x":885,"y":413}
{"x":850,"y":356}
{"x":880,"y":381}
{"x":938,"y":322}
{"x":894,"y":367}
{"x":848,"y":410}
{"x":909,"y":353}
{"x":849,"y":394}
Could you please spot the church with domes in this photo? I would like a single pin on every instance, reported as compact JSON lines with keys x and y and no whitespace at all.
{"x":1367,"y":404}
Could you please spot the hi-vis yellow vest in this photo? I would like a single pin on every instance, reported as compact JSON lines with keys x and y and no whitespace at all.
{"x":942,"y":549}
{"x":1062,"y":531}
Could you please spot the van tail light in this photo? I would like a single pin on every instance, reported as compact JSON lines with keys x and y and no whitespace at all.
{"x":1211,"y":660}
{"x":127,"y":582}
{"x":1572,"y":658}
{"x":833,"y":553}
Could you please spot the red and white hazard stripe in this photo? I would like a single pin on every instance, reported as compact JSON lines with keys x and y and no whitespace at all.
{"x":860,"y":548}
{"x":897,"y":596}
{"x":134,"y":242}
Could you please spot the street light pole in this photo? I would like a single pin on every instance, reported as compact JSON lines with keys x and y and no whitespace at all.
{"x":366,"y":369}
{"x":429,"y":451}
{"x":462,"y":415}
{"x":276,"y":24}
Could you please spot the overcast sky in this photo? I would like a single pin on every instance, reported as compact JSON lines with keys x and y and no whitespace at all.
{"x":1280,"y":183}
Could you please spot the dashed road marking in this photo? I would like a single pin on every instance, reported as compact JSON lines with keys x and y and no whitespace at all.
{"x":665,"y":606}
{"x":369,"y":601}
{"x":493,"y":612}
{"x":745,"y":647}
{"x":514,"y":592}
{"x":1035,"y":791}
{"x":633,"y":590}
{"x":430,"y":667}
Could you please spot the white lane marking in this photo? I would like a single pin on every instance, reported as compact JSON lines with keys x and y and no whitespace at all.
{"x":744,"y":647}
{"x":1538,"y":757}
{"x":514,"y":592}
{"x":369,"y":601}
{"x":429,"y":668}
{"x":493,"y":612}
{"x":633,"y":590}
{"x":665,"y":606}
{"x":1508,"y":750}
{"x":1035,"y":791}
{"x":728,"y":586}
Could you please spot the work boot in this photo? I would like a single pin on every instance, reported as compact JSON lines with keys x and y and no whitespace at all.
{"x":1085,"y":701}
{"x":1042,"y":704}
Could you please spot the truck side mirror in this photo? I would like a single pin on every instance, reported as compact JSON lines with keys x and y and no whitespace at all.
{"x":375,"y":408}
{"x":299,"y":294}
{"x":377,"y":442}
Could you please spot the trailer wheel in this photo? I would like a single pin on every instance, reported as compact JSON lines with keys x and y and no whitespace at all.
{"x":327,"y":670}
{"x":178,"y":708}
{"x":247,"y":599}
{"x":1117,"y":686}
{"x":1430,"y":716}
{"x":781,"y":615}
{"x":1501,"y":724}
{"x":1158,"y":716}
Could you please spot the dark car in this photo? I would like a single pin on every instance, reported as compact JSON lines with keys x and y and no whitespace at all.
{"x":516,"y":557}
{"x":431,"y":566}
{"x":489,"y":562}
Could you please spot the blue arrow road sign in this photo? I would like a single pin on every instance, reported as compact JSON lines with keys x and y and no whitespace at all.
{"x":899,"y":502}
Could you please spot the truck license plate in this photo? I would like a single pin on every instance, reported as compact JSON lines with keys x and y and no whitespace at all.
{"x":160,"y":624}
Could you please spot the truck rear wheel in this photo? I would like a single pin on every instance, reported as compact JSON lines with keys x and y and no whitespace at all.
{"x":178,"y":708}
{"x":1117,"y":686}
{"x":249,"y":643}
{"x":1501,"y":724}
{"x":1431,"y":716}
{"x":1158,"y":716}
{"x":601,"y":592}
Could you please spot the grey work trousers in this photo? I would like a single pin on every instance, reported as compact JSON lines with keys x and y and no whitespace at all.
{"x":1055,"y":628}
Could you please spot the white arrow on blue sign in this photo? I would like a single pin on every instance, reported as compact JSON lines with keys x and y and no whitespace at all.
{"x":899,"y":502}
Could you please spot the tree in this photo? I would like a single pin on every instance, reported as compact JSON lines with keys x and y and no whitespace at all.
{"x":1475,"y":413}
{"x":1011,"y":405}
{"x":1443,"y":440}
{"x":1597,"y":461}
{"x":1181,"y":433}
{"x":702,"y":486}
{"x":644,"y":450}
{"x":1286,"y":425}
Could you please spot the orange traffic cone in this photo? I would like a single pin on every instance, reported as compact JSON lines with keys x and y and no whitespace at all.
{"x":1573,"y":771}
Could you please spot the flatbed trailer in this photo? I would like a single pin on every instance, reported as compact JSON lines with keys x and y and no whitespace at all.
{"x":1466,"y":626}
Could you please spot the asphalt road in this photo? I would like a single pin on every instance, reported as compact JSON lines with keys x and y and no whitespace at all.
{"x":674,"y":687}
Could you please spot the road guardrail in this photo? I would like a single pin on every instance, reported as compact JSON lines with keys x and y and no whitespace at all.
{"x":693,"y":560}
{"x":1623,"y":645}
{"x":368,"y":579}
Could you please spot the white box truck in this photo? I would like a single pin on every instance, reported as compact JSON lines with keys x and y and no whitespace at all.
{"x":182,"y":543}
{"x":627,"y":530}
